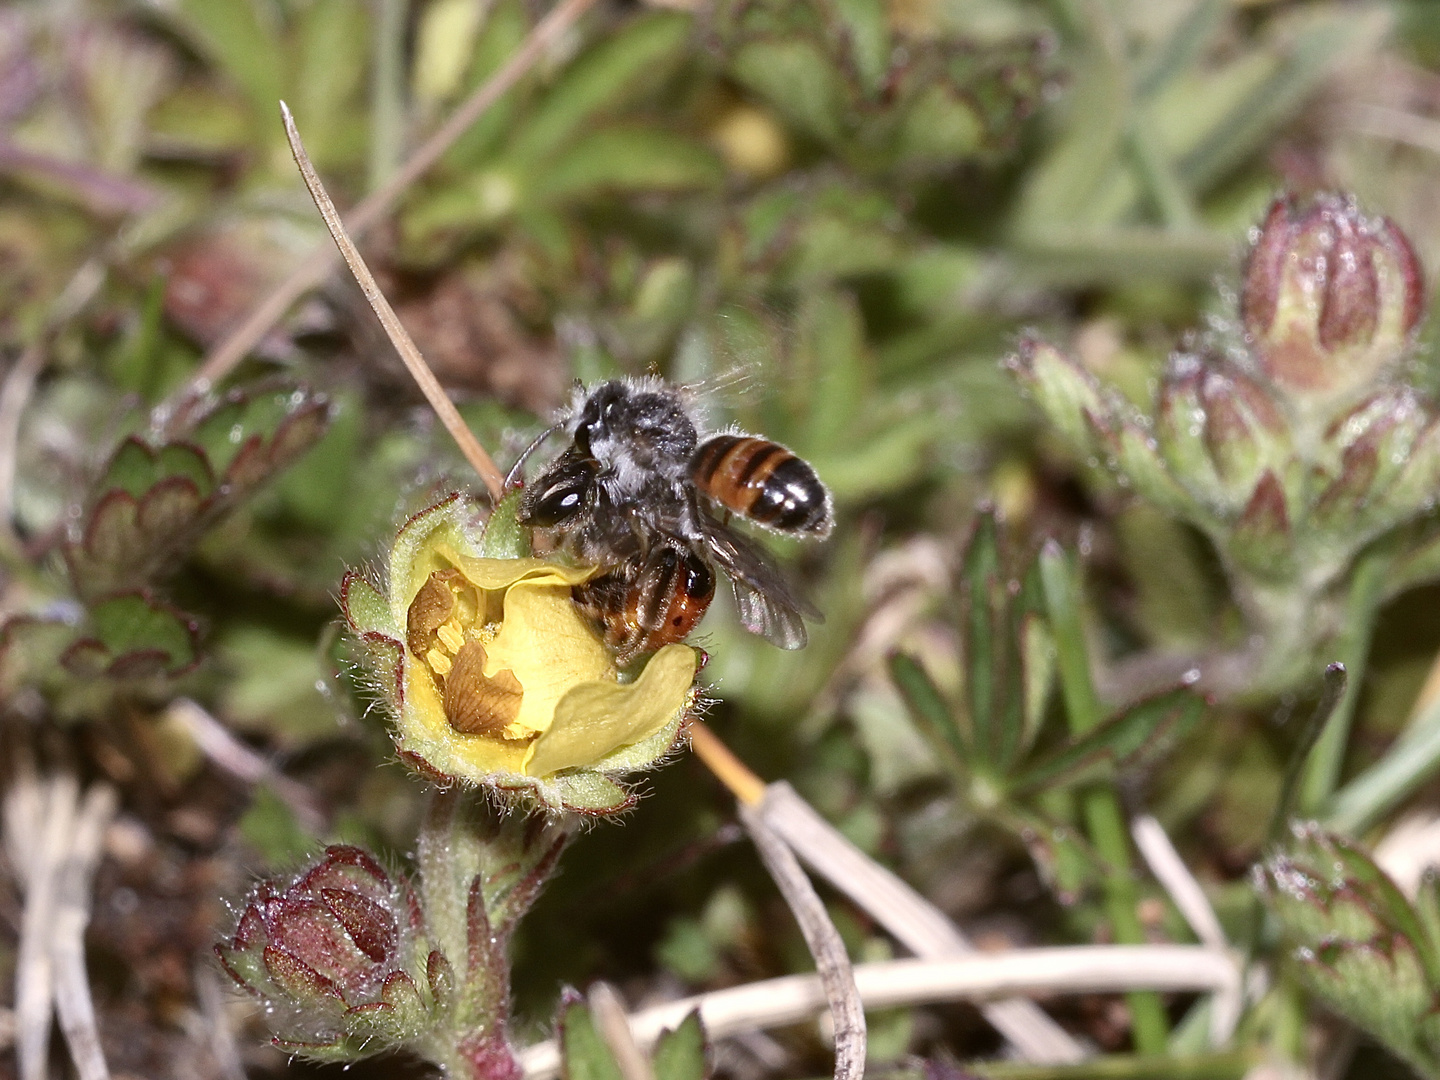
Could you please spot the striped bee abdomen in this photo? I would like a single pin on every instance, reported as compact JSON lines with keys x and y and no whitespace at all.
{"x":649,"y":603}
{"x":764,"y":482}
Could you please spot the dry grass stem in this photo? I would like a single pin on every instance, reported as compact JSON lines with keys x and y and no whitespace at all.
{"x":76,"y":873}
{"x":836,"y":975}
{"x":419,"y":370}
{"x":748,"y":788}
{"x":1079,"y":969}
{"x":909,"y":917}
{"x":53,"y":843}
{"x":1170,"y":870}
{"x":614,"y":1025}
{"x":1194,"y":906}
{"x":1397,"y":125}
{"x":221,"y":360}
{"x":229,"y":754}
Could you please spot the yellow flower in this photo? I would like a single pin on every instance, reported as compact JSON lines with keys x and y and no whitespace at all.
{"x":494,"y":677}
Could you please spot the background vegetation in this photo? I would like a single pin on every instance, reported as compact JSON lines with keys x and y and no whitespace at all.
{"x":856,"y":206}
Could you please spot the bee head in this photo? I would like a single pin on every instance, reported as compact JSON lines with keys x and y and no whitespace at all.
{"x":648,"y":426}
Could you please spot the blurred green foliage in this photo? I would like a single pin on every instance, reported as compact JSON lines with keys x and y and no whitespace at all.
{"x":837,"y":215}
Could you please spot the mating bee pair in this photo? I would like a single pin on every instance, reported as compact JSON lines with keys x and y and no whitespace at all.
{"x":639,"y":494}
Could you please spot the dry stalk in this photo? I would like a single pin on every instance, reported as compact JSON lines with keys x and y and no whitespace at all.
{"x":909,"y":917}
{"x":614,"y":1025}
{"x":435,"y":395}
{"x":230,"y":755}
{"x":1078,"y":969}
{"x":837,"y":977}
{"x":1194,"y":906}
{"x":53,"y":843}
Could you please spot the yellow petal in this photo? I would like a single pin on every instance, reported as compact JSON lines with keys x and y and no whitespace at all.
{"x":549,"y":646}
{"x":496,"y":574}
{"x":425,"y":732}
{"x":597,"y":718}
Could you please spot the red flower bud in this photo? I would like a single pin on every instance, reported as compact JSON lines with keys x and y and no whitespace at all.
{"x":326,"y":947}
{"x":1330,"y":297}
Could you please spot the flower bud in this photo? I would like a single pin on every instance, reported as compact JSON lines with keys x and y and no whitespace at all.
{"x":494,"y":677}
{"x":1387,"y":465}
{"x":1330,"y":298}
{"x":1358,"y":943}
{"x":1220,"y":431}
{"x":328,"y":955}
{"x":1068,"y":394}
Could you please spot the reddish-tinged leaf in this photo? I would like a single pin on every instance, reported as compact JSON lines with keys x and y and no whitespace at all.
{"x":369,"y":925}
{"x":169,"y":510}
{"x":441,"y":977}
{"x":297,"y":978}
{"x":1265,"y":514}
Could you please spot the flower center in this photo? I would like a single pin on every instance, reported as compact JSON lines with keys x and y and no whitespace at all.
{"x":441,"y":632}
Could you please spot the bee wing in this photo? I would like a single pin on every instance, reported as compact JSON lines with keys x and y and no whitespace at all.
{"x":767,"y":603}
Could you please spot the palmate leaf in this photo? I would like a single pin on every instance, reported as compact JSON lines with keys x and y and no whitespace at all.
{"x":153,"y":502}
{"x":134,"y":636}
{"x":934,"y":718}
{"x":1130,"y":739}
{"x":1008,"y":665}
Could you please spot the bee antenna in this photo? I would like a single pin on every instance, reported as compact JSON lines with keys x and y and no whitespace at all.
{"x":514,"y":473}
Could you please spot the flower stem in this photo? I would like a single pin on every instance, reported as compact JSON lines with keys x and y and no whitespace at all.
{"x":1322,"y":771}
{"x":748,"y":788}
{"x":1100,"y":806}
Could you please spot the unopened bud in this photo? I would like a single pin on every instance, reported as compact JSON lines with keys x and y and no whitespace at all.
{"x":326,"y":954}
{"x":1331,"y":298}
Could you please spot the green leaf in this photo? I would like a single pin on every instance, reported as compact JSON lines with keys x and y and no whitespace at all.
{"x":505,"y":27}
{"x":583,"y":1053}
{"x":931,"y":712}
{"x":332,"y":46}
{"x":1060,"y":189}
{"x":135,"y":468}
{"x":1360,"y":946}
{"x":1142,"y":731}
{"x":152,"y":504}
{"x":940,"y":126}
{"x":270,"y":826}
{"x":242,"y":38}
{"x":627,"y":159}
{"x":134,"y":636}
{"x":799,"y":80}
{"x":1183,"y":48}
{"x":680,"y":1054}
{"x":867,"y":28}
{"x":1303,"y":63}
{"x":1061,"y":582}
{"x":270,"y":684}
{"x":599,"y":82}
{"x":985,"y":636}
{"x":831,"y":353}
{"x":1410,"y":762}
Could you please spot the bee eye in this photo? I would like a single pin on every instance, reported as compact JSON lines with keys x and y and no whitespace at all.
{"x":559,"y":496}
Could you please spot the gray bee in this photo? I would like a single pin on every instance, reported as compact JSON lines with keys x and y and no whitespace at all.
{"x":642,"y":494}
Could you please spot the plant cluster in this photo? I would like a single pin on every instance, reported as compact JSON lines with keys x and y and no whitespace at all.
{"x":941,"y":252}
